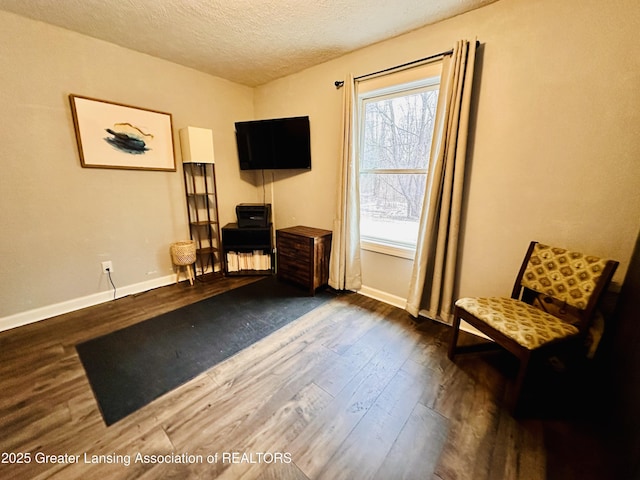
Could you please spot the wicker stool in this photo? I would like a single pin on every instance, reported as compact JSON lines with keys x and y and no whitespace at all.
{"x":183,"y":254}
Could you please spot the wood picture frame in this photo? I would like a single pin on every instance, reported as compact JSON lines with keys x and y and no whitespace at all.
{"x":115,"y":135}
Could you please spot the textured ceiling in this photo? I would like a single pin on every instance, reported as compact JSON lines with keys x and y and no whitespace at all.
{"x":246,"y":41}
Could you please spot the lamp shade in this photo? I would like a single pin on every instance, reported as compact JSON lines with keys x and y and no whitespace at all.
{"x":197,"y":145}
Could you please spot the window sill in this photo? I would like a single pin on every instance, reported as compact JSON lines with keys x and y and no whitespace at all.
{"x":388,"y":249}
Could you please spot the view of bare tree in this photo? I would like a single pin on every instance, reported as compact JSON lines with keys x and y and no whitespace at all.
{"x":394,"y":155}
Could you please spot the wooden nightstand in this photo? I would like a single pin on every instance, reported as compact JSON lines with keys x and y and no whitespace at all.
{"x":303,"y":256}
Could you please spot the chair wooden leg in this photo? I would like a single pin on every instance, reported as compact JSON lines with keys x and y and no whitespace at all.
{"x":455,"y":329}
{"x":519,"y":382}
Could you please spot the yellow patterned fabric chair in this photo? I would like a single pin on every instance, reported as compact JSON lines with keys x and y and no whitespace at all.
{"x":552,"y":303}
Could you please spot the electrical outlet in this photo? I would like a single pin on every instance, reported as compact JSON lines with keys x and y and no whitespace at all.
{"x":107,"y":267}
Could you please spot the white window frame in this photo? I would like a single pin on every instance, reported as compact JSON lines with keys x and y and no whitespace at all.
{"x":393,"y":86}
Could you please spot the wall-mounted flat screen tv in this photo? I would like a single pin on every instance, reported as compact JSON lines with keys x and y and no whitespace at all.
{"x":278,"y":143}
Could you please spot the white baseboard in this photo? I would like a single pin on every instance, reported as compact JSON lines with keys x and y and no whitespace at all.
{"x":465,"y":327}
{"x":383,"y":296}
{"x":401,"y":303}
{"x":42,"y":313}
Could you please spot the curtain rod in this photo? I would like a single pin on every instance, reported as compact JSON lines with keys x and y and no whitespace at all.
{"x":340,"y":83}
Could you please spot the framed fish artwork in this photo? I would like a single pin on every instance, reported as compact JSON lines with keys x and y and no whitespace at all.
{"x":114,"y":135}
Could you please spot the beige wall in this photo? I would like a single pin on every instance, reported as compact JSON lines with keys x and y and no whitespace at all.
{"x":60,"y":221}
{"x":554,"y":151}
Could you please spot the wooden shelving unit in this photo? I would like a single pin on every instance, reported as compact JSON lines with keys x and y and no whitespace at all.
{"x":252,"y":243}
{"x":202,"y":209}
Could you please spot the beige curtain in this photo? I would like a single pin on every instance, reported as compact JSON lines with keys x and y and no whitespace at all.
{"x":344,"y":266}
{"x":434,"y":269}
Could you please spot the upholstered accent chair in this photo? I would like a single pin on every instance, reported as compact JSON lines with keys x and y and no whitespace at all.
{"x":552,"y":304}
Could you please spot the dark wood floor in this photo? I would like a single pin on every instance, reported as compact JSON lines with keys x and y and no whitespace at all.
{"x":353,"y":390}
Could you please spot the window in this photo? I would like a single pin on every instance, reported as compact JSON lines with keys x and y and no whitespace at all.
{"x":396,"y":125}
